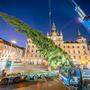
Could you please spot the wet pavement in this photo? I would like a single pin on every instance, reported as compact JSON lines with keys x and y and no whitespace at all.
{"x":44,"y":85}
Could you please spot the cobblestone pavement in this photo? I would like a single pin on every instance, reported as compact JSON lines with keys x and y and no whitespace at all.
{"x":45,"y":85}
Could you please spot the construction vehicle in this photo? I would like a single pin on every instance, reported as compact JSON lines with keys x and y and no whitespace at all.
{"x":6,"y":76}
{"x":9,"y":77}
{"x":72,"y":78}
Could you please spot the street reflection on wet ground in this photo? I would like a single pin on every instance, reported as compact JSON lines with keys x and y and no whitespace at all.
{"x":44,"y":85}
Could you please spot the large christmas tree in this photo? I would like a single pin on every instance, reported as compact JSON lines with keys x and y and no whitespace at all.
{"x":56,"y":56}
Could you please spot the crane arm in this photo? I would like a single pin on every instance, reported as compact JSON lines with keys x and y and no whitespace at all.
{"x":79,"y":10}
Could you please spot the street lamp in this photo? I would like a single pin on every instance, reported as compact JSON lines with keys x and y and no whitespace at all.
{"x":13,"y":41}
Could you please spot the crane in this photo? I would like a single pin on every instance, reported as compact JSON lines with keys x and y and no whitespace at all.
{"x":83,"y":18}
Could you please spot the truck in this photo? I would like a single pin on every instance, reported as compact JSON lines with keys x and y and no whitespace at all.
{"x":73,"y":78}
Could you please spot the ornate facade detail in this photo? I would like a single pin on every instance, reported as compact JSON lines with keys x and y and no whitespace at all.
{"x":78,"y":50}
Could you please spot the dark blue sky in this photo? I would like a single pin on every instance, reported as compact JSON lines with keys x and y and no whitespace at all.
{"x":35,"y":13}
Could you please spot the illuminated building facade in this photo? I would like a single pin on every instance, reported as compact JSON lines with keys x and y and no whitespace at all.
{"x":33,"y":55}
{"x":79,"y":50}
{"x":9,"y":51}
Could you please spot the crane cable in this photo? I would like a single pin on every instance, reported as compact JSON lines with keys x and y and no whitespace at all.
{"x":50,"y":13}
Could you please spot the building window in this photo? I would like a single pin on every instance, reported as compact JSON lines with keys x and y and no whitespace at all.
{"x":72,"y":46}
{"x":31,"y":55}
{"x":39,"y":55}
{"x":36,"y":51}
{"x":68,"y":46}
{"x":74,"y":57}
{"x":64,"y":46}
{"x":77,"y":46}
{"x":28,"y":47}
{"x":59,"y":45}
{"x":79,"y":52}
{"x":83,"y":47}
{"x":85,"y":57}
{"x":85,"y":52}
{"x":74,"y":51}
{"x":69,"y":51}
{"x":36,"y":55}
{"x":32,"y":50}
{"x":79,"y":57}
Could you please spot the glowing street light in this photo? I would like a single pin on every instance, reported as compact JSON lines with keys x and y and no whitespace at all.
{"x":13,"y":41}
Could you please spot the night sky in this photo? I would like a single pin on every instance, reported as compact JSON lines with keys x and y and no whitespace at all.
{"x":35,"y":13}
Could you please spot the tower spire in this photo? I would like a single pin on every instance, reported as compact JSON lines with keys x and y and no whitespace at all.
{"x":79,"y":34}
{"x":61,"y":33}
{"x":53,"y":27}
{"x":80,"y":38}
